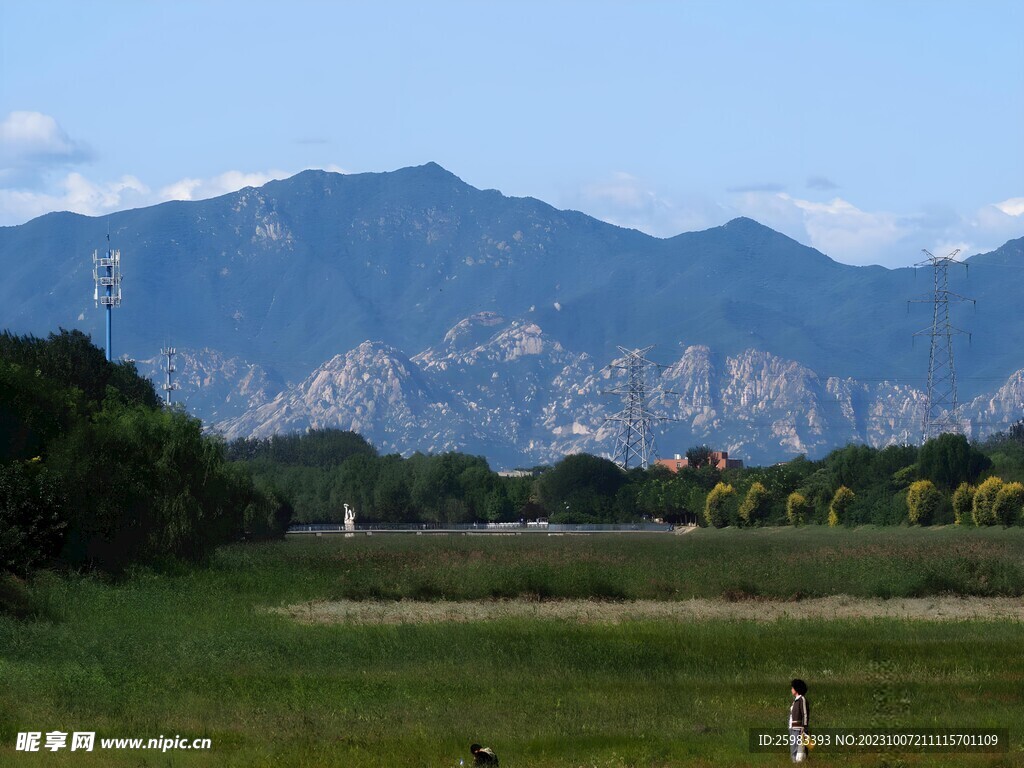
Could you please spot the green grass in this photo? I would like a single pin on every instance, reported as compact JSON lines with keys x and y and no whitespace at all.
{"x":782,"y":563}
{"x":196,"y":653}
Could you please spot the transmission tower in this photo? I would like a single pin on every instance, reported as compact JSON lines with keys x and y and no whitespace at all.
{"x":941,"y":410}
{"x":106,"y":273}
{"x":634,"y":441}
{"x":169,"y":386}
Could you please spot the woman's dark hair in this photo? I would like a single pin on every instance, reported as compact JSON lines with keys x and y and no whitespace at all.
{"x":799,"y":686}
{"x":474,"y":748}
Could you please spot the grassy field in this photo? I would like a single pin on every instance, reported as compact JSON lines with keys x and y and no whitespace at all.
{"x":205,"y":653}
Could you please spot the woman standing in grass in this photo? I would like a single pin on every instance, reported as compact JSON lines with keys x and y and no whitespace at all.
{"x":799,"y":716}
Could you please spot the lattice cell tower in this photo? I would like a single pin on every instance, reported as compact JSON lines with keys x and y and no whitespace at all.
{"x":169,"y":386}
{"x":634,"y":440}
{"x":106,"y":273}
{"x":941,"y":410}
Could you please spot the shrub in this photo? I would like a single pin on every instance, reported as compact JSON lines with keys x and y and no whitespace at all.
{"x":1008,"y":504}
{"x":840,"y":503}
{"x":963,"y":501}
{"x":923,"y":501}
{"x":714,"y":508}
{"x":755,"y":505}
{"x":983,"y":507}
{"x":796,"y":508}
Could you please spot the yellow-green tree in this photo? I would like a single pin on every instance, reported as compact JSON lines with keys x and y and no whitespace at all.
{"x":755,"y":505}
{"x":1009,"y":503}
{"x":840,"y":503}
{"x":963,"y":501}
{"x":923,"y":501}
{"x":983,"y":507}
{"x":796,"y":508}
{"x":714,"y":508}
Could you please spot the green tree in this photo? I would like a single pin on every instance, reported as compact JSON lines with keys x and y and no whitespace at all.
{"x":69,"y":359}
{"x":841,"y":501}
{"x":581,"y":488}
{"x":33,"y":411}
{"x":754,"y":507}
{"x":796,"y":508}
{"x":392,"y":499}
{"x":145,"y":484}
{"x":1009,"y":503}
{"x":949,"y":460}
{"x":983,"y":507}
{"x":923,"y":501}
{"x":698,"y":456}
{"x":715,"y":512}
{"x":963,"y":502}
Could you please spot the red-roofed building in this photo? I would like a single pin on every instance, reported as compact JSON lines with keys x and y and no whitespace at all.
{"x":719,"y":460}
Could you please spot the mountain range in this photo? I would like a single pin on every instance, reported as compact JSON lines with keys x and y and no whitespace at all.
{"x":431,"y":315}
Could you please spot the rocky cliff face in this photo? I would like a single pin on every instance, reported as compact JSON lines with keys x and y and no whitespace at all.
{"x":214,"y":385}
{"x":505,"y":389}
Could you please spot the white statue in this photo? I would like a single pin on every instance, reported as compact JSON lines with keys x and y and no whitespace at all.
{"x":350,"y":518}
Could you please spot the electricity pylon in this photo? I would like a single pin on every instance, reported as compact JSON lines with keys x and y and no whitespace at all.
{"x":941,"y":410}
{"x":634,"y":441}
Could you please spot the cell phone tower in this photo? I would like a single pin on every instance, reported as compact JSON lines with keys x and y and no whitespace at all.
{"x":106,"y":273}
{"x":169,"y":386}
{"x":941,"y":409}
{"x":634,"y":441}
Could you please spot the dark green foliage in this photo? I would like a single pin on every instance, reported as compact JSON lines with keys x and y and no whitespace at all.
{"x":95,"y":472}
{"x":146,"y":484}
{"x":33,"y":510}
{"x":33,"y":411}
{"x":323,"y":448}
{"x":581,"y":488}
{"x":443,"y":488}
{"x":949,"y":460}
{"x":69,"y":359}
{"x":1007,"y":455}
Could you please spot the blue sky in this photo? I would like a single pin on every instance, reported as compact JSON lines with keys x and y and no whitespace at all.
{"x":867,"y":129}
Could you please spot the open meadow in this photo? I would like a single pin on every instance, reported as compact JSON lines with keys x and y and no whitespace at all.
{"x":609,"y":650}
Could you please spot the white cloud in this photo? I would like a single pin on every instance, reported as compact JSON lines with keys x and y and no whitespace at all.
{"x":26,"y":135}
{"x":229,"y":181}
{"x":74,"y":193}
{"x":849,"y":234}
{"x":32,"y":147}
{"x":626,"y":201}
{"x":1012,"y":207}
{"x":837,"y":227}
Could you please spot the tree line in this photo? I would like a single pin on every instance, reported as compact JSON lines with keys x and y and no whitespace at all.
{"x":946,"y":480}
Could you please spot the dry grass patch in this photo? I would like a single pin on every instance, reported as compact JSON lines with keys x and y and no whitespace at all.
{"x":608,"y":612}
